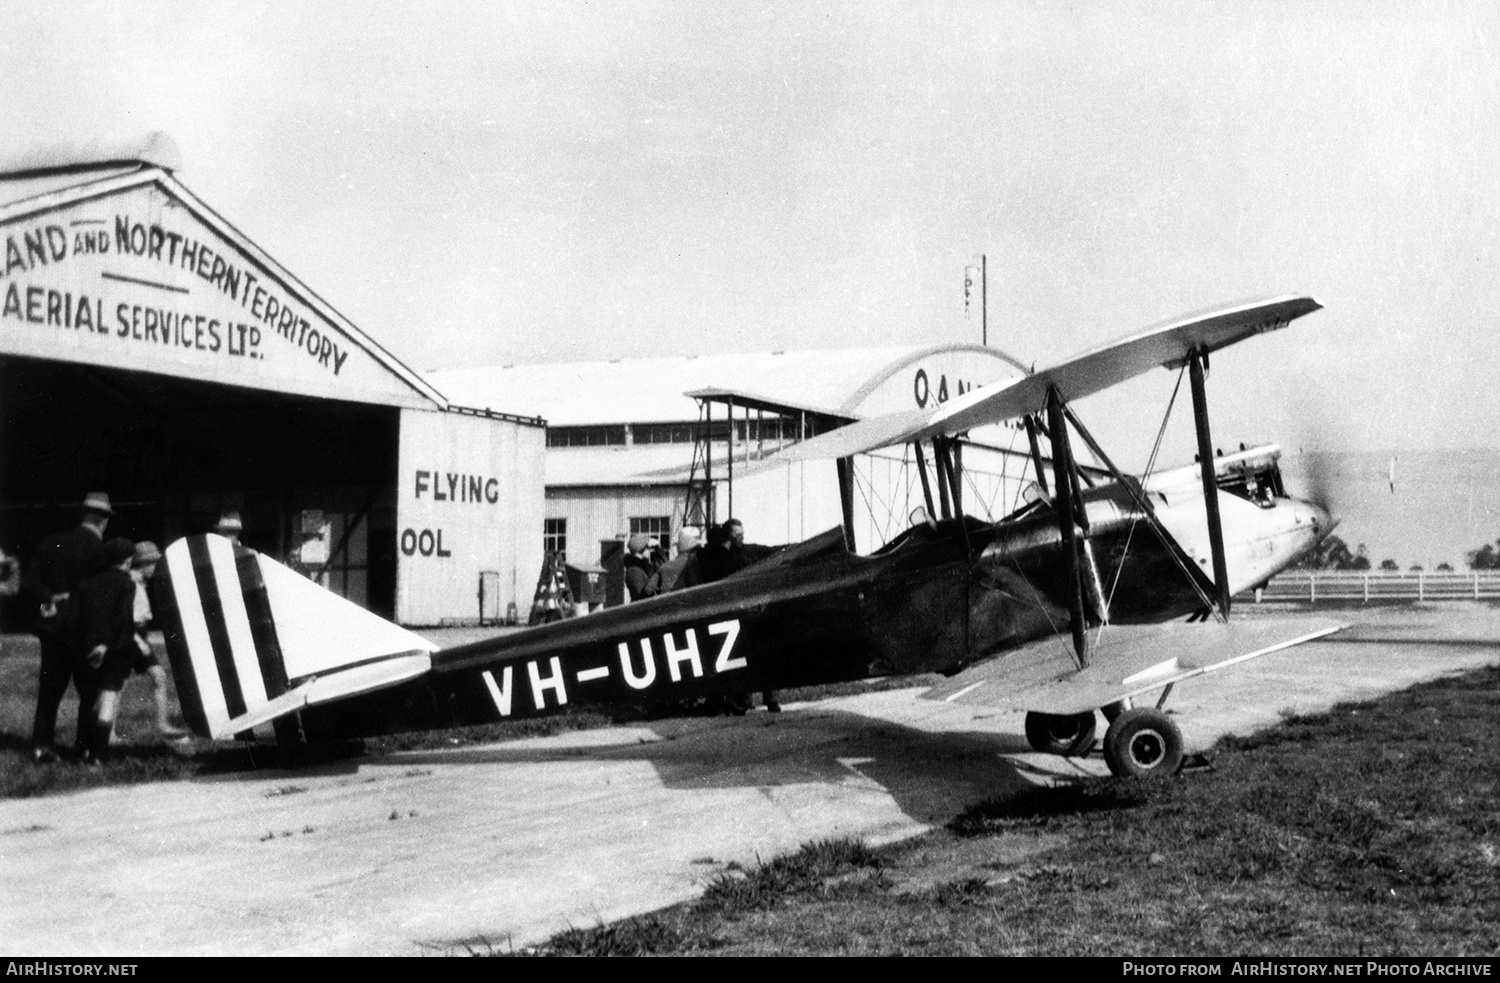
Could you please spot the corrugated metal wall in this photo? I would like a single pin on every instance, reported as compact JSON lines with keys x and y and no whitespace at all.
{"x":594,"y":514}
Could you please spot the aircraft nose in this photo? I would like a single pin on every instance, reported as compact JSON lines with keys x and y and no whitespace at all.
{"x":1315,"y":517}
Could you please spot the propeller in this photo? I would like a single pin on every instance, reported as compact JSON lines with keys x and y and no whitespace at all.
{"x":1319,"y":472}
{"x":1316,"y":469}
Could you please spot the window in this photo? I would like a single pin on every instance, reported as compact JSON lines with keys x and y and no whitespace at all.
{"x":658,"y":527}
{"x":555,"y":536}
{"x":762,"y":429}
{"x":664,"y":433}
{"x":599,"y":436}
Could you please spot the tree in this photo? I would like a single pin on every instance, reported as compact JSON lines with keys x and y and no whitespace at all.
{"x":1445,"y":567}
{"x":1389,"y":565}
{"x":1334,"y":554}
{"x":1484,"y":558}
{"x":1327,"y":555}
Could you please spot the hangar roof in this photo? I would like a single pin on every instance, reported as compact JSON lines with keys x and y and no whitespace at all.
{"x":155,"y":148}
{"x":641,"y":465}
{"x":652,"y":390}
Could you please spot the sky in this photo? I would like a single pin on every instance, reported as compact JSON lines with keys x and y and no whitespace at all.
{"x":534,"y":181}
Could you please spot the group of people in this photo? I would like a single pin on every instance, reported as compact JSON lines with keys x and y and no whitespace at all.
{"x":723,"y":552}
{"x":88,"y":595}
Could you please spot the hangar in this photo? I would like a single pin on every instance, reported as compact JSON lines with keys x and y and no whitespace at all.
{"x":150,"y":349}
{"x":650,"y":445}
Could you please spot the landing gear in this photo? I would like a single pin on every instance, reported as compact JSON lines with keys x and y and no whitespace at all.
{"x":1070,"y":734}
{"x":1142,"y":741}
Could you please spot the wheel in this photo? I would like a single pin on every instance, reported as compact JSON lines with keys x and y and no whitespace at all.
{"x":1143,"y":741}
{"x":1051,"y":733}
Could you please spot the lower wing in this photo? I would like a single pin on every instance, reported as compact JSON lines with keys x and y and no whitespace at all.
{"x":1126,"y":661}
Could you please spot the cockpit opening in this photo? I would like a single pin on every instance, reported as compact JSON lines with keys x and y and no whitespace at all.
{"x":1252,"y":474}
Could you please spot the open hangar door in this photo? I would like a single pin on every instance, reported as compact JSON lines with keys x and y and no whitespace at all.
{"x":313,"y":479}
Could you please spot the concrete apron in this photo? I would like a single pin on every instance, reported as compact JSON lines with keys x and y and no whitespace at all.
{"x":499,"y":846}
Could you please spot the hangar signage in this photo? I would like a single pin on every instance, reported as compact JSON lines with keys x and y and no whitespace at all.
{"x":136,"y":280}
{"x":933,"y":378}
{"x":462,"y":511}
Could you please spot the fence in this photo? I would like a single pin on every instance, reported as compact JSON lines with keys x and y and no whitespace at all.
{"x":1382,"y":586}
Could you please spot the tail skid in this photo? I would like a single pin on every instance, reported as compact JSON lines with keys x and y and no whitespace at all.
{"x":252,"y":642}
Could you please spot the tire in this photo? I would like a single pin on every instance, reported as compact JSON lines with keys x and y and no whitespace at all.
{"x":1143,"y":741}
{"x":1069,"y":735}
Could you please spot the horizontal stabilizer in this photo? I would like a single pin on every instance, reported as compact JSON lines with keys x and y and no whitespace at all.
{"x":319,"y":630}
{"x":1168,"y":346}
{"x":335,"y":686}
{"x":1126,"y":661}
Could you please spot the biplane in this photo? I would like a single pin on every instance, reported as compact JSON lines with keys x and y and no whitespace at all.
{"x":1103,"y":589}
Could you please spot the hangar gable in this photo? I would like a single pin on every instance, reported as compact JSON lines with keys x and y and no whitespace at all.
{"x":121,"y":266}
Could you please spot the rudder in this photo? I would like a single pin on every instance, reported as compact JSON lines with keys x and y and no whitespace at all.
{"x":252,"y":641}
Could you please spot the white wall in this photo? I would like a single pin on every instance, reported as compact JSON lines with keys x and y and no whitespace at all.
{"x":600,"y":513}
{"x":468,"y":499}
{"x":790,"y":503}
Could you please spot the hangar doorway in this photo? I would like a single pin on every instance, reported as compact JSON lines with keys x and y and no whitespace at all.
{"x":313,"y":479}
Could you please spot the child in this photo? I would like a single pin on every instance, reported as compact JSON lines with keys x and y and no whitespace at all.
{"x":142,"y":566}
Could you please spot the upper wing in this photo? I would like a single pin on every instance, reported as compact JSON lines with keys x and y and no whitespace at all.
{"x":1168,"y":345}
{"x":1128,"y":660}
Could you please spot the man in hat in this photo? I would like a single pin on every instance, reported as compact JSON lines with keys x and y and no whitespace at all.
{"x":724,"y":553}
{"x":230,"y":526}
{"x":743,"y":554}
{"x":639,"y":568}
{"x":100,"y":627}
{"x":144,"y":659}
{"x":61,"y":563}
{"x":672,"y":573}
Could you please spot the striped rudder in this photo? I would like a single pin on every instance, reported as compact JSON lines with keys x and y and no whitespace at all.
{"x":252,"y":642}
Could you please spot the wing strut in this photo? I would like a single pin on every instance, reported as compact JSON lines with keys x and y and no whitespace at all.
{"x":942,"y":480}
{"x":947,"y":455}
{"x":944,"y":453}
{"x":1197,"y":363}
{"x":1062,"y":467}
{"x":956,"y":463}
{"x":926,"y":485}
{"x":846,"y":497}
{"x":1036,"y":455}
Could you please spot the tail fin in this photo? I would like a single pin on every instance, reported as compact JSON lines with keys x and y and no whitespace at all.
{"x":251,"y":641}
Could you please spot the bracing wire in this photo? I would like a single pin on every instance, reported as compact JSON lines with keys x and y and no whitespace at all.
{"x":1150,"y":469}
{"x":1161,"y":434}
{"x":859,"y":486}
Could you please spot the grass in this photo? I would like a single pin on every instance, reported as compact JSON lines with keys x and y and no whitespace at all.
{"x":145,"y":757}
{"x":1371,"y":829}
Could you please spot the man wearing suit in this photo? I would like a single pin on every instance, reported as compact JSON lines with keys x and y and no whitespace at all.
{"x":62,"y":562}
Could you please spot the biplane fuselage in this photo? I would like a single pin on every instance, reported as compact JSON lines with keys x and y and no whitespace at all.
{"x":935,"y":600}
